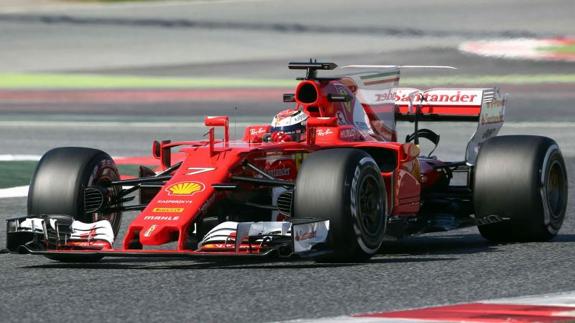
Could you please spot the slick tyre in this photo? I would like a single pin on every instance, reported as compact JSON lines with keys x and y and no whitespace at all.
{"x":345,"y":187}
{"x":57,"y":187}
{"x":520,"y":189}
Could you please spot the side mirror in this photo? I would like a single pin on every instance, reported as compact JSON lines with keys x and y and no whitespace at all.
{"x":289,"y":97}
{"x":339,"y":98}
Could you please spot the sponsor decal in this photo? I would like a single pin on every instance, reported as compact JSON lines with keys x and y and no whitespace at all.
{"x":305,"y":235}
{"x":379,"y":96}
{"x":385,"y":97}
{"x":490,"y":121}
{"x":443,"y":97}
{"x":174,"y":202}
{"x":218,"y":246}
{"x":289,"y":117}
{"x":324,"y":132}
{"x":185,"y":188}
{"x":199,"y":170}
{"x":283,"y":169}
{"x":348,"y":134}
{"x":258,"y":131}
{"x":299,"y":117}
{"x":168,"y":210}
{"x":492,"y":112}
{"x":279,"y":172}
{"x":88,"y":235}
{"x":161,"y":218}
{"x":151,"y":229}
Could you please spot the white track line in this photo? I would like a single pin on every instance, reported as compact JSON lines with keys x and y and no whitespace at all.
{"x":10,"y":157}
{"x":21,"y":191}
{"x":18,"y":191}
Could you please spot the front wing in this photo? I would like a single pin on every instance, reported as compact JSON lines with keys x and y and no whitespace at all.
{"x":62,"y":237}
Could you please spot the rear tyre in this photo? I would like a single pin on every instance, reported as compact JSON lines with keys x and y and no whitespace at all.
{"x":520,"y":189}
{"x":345,"y":187}
{"x":57,"y":187}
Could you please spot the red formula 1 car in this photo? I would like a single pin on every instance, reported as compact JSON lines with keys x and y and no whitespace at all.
{"x":328,"y":179}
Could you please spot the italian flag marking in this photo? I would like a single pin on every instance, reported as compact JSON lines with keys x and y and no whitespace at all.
{"x":380,"y":78}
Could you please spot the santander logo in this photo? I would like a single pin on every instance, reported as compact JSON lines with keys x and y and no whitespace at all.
{"x":440,"y":97}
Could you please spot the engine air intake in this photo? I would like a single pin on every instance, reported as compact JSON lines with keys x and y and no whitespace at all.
{"x":307,"y":93}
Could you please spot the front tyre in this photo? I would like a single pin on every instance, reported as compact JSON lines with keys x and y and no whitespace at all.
{"x":520,"y":189}
{"x":57,"y":186}
{"x":345,"y":187}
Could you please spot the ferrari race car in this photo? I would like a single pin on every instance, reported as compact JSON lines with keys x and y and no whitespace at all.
{"x":328,"y":179}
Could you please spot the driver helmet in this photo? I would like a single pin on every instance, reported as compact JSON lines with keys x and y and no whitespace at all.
{"x":288,"y":125}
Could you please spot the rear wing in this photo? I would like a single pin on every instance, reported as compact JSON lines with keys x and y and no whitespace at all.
{"x":444,"y":104}
{"x":484,"y":105}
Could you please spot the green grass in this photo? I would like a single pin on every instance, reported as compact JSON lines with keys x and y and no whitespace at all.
{"x":89,"y":81}
{"x":16,"y":173}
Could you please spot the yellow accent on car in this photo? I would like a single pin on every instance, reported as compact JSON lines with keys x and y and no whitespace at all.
{"x":185,"y":188}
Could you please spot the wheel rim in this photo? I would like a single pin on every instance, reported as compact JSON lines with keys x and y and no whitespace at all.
{"x":555,"y":187}
{"x":370,"y":206}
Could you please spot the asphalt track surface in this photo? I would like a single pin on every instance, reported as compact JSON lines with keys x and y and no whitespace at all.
{"x":458,"y":266}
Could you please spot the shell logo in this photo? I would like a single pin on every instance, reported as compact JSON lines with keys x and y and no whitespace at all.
{"x":185,"y":188}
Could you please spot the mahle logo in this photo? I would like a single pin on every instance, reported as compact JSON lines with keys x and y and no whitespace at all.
{"x":185,"y":188}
